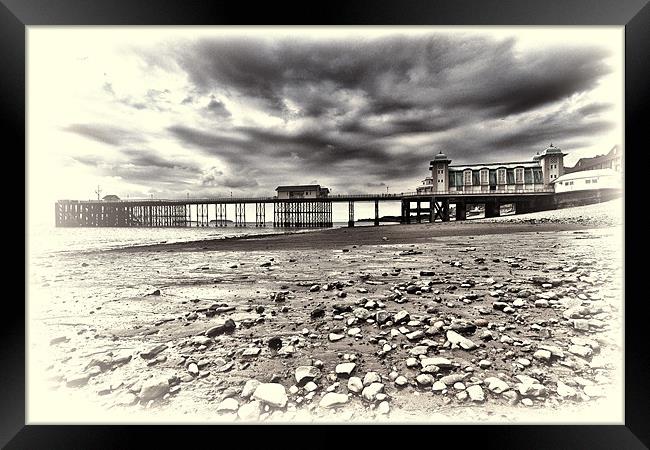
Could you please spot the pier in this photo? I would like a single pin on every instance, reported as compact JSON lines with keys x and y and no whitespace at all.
{"x":316,"y":212}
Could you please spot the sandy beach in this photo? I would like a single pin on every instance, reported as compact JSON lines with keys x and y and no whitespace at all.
{"x":512,"y":319}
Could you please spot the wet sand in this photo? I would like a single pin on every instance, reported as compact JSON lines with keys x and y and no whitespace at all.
{"x":388,"y":306}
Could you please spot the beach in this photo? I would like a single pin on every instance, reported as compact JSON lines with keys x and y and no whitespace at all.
{"x":510,"y":319}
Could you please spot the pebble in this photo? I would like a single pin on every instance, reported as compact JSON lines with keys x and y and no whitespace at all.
{"x":332,"y":400}
{"x":304,"y":374}
{"x":250,"y":411}
{"x":475,"y":393}
{"x":355,"y":385}
{"x":272,"y":394}
{"x":345,"y":368}
{"x":369,"y":392}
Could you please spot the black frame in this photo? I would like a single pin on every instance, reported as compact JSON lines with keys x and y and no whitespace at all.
{"x":15,"y":15}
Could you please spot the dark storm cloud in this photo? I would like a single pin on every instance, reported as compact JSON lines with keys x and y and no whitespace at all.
{"x":105,"y":134}
{"x":217,"y":108}
{"x":392,"y":74}
{"x":366,"y":113}
{"x":142,"y":166}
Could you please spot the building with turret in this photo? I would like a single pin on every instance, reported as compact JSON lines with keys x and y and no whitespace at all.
{"x":520,"y":176}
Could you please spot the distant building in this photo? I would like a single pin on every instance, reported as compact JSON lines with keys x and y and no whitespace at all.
{"x":588,"y":179}
{"x":535,"y":175}
{"x":611,"y":160}
{"x":111,"y":198}
{"x":302,"y":191}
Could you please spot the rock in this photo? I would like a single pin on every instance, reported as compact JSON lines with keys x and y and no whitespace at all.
{"x":250,"y":411}
{"x":228,"y":405}
{"x":332,"y":400}
{"x":249,"y":388}
{"x":287,"y":350}
{"x":306,"y":373}
{"x":456,"y":339}
{"x":250,"y":352}
{"x":156,"y":292}
{"x":402,"y":316}
{"x":484,"y":363}
{"x":77,"y":380}
{"x":582,"y":351}
{"x":524,"y":362}
{"x":371,"y":377}
{"x":438,"y":386}
{"x":272,"y":394}
{"x":59,"y":339}
{"x":542,"y":355}
{"x":345,"y":369}
{"x":227,"y":326}
{"x":412,"y":362}
{"x":439,"y":361}
{"x":555,"y":351}
{"x":450,"y":380}
{"x":193,"y":369}
{"x":425,"y":379}
{"x":527,"y":402}
{"x":383,"y":408}
{"x":317,"y":313}
{"x":369,"y":392}
{"x":154,"y":388}
{"x":476,"y":394}
{"x":382,"y":317}
{"x":565,"y":391}
{"x":581,"y":324}
{"x":153,"y":352}
{"x":333,"y":337}
{"x":496,"y":385}
{"x":311,"y":386}
{"x":419,"y":350}
{"x":531,"y":390}
{"x":427,"y":273}
{"x":354,"y":331}
{"x":401,"y":381}
{"x":415,"y":335}
{"x":361,"y":313}
{"x":314,"y":288}
{"x":275,"y":343}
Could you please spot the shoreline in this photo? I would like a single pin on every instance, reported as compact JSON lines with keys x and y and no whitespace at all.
{"x":366,"y":235}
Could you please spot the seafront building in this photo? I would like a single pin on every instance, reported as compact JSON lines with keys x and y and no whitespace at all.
{"x":302,"y":191}
{"x":536,"y":175}
{"x":612,"y":160}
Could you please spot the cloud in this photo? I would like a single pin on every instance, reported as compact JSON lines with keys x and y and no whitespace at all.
{"x":357,"y":114}
{"x":105,"y":134}
{"x":217,"y":108}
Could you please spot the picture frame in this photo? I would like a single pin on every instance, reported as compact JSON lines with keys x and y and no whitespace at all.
{"x":634,"y":15}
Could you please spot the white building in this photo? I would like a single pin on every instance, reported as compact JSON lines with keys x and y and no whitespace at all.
{"x":588,"y":179}
{"x":535,"y":175}
{"x":302,"y":191}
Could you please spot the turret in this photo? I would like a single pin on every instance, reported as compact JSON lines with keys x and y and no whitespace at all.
{"x":552,"y":162}
{"x":440,"y":172}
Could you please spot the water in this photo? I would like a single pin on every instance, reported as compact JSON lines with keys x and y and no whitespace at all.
{"x":46,"y":240}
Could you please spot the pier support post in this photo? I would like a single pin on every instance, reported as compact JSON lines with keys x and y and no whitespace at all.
{"x":445,"y":210}
{"x":492,"y":209}
{"x":461,"y":211}
{"x":350,"y":214}
{"x":376,"y":213}
{"x":419,"y":215}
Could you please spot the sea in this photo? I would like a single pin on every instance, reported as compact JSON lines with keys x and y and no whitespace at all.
{"x":46,"y":240}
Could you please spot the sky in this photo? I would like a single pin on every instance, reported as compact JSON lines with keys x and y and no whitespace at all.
{"x":168,"y":112}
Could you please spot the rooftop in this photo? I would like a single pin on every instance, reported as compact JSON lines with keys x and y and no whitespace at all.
{"x":301,"y":187}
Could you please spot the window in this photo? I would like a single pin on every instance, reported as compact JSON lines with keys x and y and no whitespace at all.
{"x":484,"y":176}
{"x":587,"y":181}
{"x":519,"y":175}
{"x":501,"y":176}
{"x":594,"y":180}
{"x":467,"y":178}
